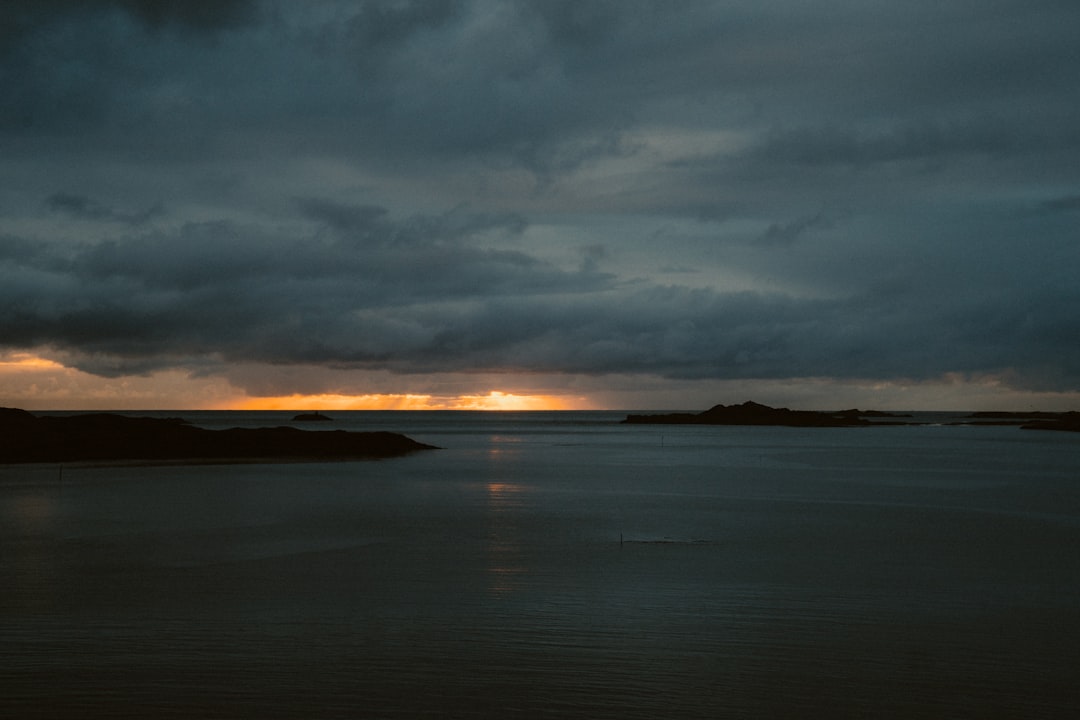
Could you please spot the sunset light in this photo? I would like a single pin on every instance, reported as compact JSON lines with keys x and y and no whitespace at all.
{"x":29,"y":380}
{"x":494,"y":400}
{"x":17,"y":361}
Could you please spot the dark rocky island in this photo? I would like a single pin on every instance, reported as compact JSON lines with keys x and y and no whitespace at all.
{"x":752,"y":413}
{"x":1030,"y":420}
{"x":311,"y":417}
{"x":108,"y":437}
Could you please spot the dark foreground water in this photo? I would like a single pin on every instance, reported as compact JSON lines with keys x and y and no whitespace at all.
{"x":762,"y":572}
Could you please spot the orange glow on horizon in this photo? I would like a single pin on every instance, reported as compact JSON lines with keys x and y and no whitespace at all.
{"x":494,"y":400}
{"x":31,"y":380}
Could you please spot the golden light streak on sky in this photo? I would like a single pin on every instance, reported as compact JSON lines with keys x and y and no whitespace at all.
{"x":26,"y":361}
{"x":494,"y":400}
{"x":32,"y":381}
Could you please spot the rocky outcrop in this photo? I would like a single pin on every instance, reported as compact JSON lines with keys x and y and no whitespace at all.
{"x":1067,"y":421}
{"x":104,"y":437}
{"x":311,"y":417}
{"x":752,"y":413}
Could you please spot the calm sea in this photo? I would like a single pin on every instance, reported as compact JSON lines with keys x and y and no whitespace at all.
{"x":554,"y":565}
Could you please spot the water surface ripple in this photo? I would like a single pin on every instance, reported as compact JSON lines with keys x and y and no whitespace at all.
{"x":554,"y":565}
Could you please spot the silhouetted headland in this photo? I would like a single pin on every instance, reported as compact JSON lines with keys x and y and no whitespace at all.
{"x":311,"y":417}
{"x":106,"y":437}
{"x":752,"y":413}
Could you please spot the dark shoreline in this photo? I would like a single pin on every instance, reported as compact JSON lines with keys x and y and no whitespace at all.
{"x":111,"y":438}
{"x":752,"y":413}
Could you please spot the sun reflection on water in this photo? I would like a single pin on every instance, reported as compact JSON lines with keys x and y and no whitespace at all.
{"x":503,"y":542}
{"x":30,"y":562}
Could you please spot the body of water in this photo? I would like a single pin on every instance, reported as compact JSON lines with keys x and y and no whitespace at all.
{"x":554,"y":565}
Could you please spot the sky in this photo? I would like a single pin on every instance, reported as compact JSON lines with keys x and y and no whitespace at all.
{"x":577,"y":204}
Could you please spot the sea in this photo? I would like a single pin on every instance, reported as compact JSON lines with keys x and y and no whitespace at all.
{"x":554,"y":565}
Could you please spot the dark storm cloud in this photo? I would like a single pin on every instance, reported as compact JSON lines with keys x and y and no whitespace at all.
{"x":1062,"y":204}
{"x":550,"y":86}
{"x":860,"y":189}
{"x":373,"y":290}
{"x":74,"y":64}
{"x":790,"y":231}
{"x":381,"y":23}
{"x":200,"y":15}
{"x":22,"y":17}
{"x":83,"y":207}
{"x":372,"y":225}
{"x":829,"y":145}
{"x":505,"y":82}
{"x":377,"y":294}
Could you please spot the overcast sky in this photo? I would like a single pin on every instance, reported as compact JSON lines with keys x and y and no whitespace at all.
{"x":621,"y":204}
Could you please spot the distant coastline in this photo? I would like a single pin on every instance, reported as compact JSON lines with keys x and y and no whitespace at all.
{"x":752,"y":413}
{"x":111,"y":437}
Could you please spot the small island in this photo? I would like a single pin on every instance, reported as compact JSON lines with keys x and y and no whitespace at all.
{"x":752,"y":413}
{"x":311,"y":417}
{"x":110,"y":437}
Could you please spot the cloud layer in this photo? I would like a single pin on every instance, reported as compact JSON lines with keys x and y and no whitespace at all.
{"x":701,"y":191}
